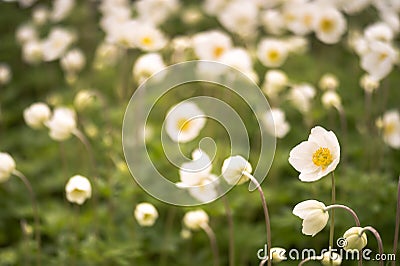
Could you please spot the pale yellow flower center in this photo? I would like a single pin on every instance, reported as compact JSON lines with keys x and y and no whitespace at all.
{"x":326,"y":25}
{"x":273,"y":55}
{"x":184,"y":125}
{"x":307,"y":20}
{"x":322,"y":157}
{"x":78,"y":193}
{"x":147,"y":41}
{"x":218,"y":50}
{"x":389,"y":128}
{"x":383,"y":56}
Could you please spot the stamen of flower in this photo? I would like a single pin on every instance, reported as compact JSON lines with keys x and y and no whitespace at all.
{"x":183,"y":124}
{"x":326,"y":25}
{"x":273,"y":55}
{"x":322,"y":157}
{"x":218,"y":50}
{"x":147,"y":41}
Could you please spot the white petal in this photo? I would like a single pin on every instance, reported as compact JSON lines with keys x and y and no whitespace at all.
{"x":315,"y":222}
{"x":303,"y":208}
{"x":300,"y":157}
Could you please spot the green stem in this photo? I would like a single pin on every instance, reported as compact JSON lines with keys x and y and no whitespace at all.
{"x":332,"y":225}
{"x":229,"y":217}
{"x":213,"y":242}
{"x":35,"y":213}
{"x":266,"y":214}
{"x":396,"y":230}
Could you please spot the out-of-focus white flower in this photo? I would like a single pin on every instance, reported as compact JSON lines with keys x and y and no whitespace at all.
{"x":299,"y":16}
{"x":36,"y":115}
{"x":211,"y":45}
{"x":62,"y":124}
{"x":328,"y":82}
{"x":274,"y":82}
{"x":121,"y":33}
{"x":301,"y":96}
{"x":84,"y":99}
{"x":191,"y":16}
{"x":331,"y":258}
{"x":149,"y":38}
{"x":313,"y":214}
{"x":40,"y":15}
{"x":146,"y":214}
{"x":391,"y":18}
{"x":331,"y":99}
{"x":73,"y":61}
{"x":61,"y":9}
{"x":329,"y":25}
{"x":185,"y":233}
{"x":233,"y":168}
{"x":272,"y":52}
{"x":368,"y":83}
{"x":278,"y":254}
{"x":107,"y":54}
{"x":26,"y":3}
{"x":238,"y":58}
{"x":55,"y":45}
{"x":147,"y":65}
{"x":7,"y":166}
{"x":5,"y":74}
{"x":357,"y":42}
{"x":276,"y":123}
{"x":25,"y":33}
{"x":195,"y":220}
{"x":156,"y":11}
{"x":78,"y":189}
{"x":32,"y":52}
{"x":214,"y":7}
{"x":378,"y":32}
{"x":378,"y":61}
{"x":184,"y":121}
{"x":354,"y":6}
{"x":240,"y":17}
{"x":316,"y":157}
{"x":296,"y":44}
{"x":390,"y":125}
{"x":273,"y":21}
{"x":354,"y":239}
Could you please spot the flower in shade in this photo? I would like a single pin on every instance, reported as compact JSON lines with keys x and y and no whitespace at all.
{"x":7,"y":166}
{"x":195,"y":220}
{"x":316,"y":157}
{"x":146,"y":214}
{"x":389,"y":123}
{"x":331,"y":258}
{"x":276,"y":123}
{"x":354,"y":239}
{"x":184,"y":121}
{"x":313,"y":214}
{"x":233,"y":168}
{"x":37,"y":115}
{"x":62,"y":124}
{"x":78,"y":189}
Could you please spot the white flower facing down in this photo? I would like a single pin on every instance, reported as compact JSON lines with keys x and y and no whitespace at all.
{"x":313,"y":214}
{"x":276,"y":123}
{"x":184,"y":121}
{"x":274,"y":82}
{"x":7,"y":166}
{"x":37,"y":115}
{"x":78,"y":189}
{"x":390,"y":125}
{"x":233,"y":168}
{"x":146,"y":214}
{"x":62,"y":124}
{"x":5,"y":74}
{"x":301,"y":96}
{"x":316,"y":157}
{"x":272,"y":52}
{"x":331,"y":99}
{"x":211,"y":45}
{"x":328,"y":82}
{"x":195,"y":220}
{"x":331,"y":258}
{"x":355,"y":240}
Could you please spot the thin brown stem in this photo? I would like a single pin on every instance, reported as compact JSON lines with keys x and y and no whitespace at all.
{"x":396,"y":230}
{"x":378,"y":239}
{"x":35,"y":213}
{"x":332,"y":225}
{"x":213,"y":242}
{"x":266,"y":214}
{"x":338,"y":206}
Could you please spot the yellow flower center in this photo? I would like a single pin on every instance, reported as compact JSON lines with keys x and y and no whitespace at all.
{"x":218,"y":50}
{"x":383,"y":56}
{"x":308,"y":20}
{"x":389,"y":128}
{"x":147,"y":41}
{"x":183,"y":124}
{"x":326,"y":25}
{"x":273,"y":55}
{"x":322,"y":157}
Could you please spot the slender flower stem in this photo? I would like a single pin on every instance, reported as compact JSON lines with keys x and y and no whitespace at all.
{"x":35,"y":213}
{"x":396,"y":230}
{"x":229,"y":217}
{"x":338,"y":206}
{"x":213,"y":242}
{"x":168,"y":228}
{"x":343,"y":125}
{"x":266,"y":214}
{"x":305,"y":260}
{"x":332,"y":225}
{"x":378,"y":239}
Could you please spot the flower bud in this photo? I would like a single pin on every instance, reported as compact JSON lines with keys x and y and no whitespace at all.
{"x":194,"y":220}
{"x":331,"y":99}
{"x":62,"y":124}
{"x":7,"y":166}
{"x":73,"y":61}
{"x":37,"y":115}
{"x":84,"y":99}
{"x":368,"y":83}
{"x":333,"y":257}
{"x":78,"y":189}
{"x":233,"y":168}
{"x":355,"y":241}
{"x":5,"y":74}
{"x":278,"y":254}
{"x":328,"y":82}
{"x":146,"y":214}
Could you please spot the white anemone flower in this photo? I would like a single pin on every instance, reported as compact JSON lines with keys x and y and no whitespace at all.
{"x":78,"y":189}
{"x":355,"y":240}
{"x":146,"y":65}
{"x":272,"y":52}
{"x":214,"y":7}
{"x":273,"y":21}
{"x":195,"y":220}
{"x":299,"y":16}
{"x":390,"y":125}
{"x":331,"y":258}
{"x":61,"y":9}
{"x":146,"y":214}
{"x":368,"y":83}
{"x":301,"y":96}
{"x":329,"y":25}
{"x":149,"y":38}
{"x":276,"y":123}
{"x":7,"y":166}
{"x":313,"y":214}
{"x":184,"y":122}
{"x":238,"y":58}
{"x":32,"y":52}
{"x":211,"y":45}
{"x":233,"y":168}
{"x":331,"y":99}
{"x":379,"y":31}
{"x":5,"y":74}
{"x":36,"y":115}
{"x":274,"y":82}
{"x":26,"y":33}
{"x":156,"y":11}
{"x":62,"y":124}
{"x":73,"y":61}
{"x":316,"y":157}
{"x":55,"y":45}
